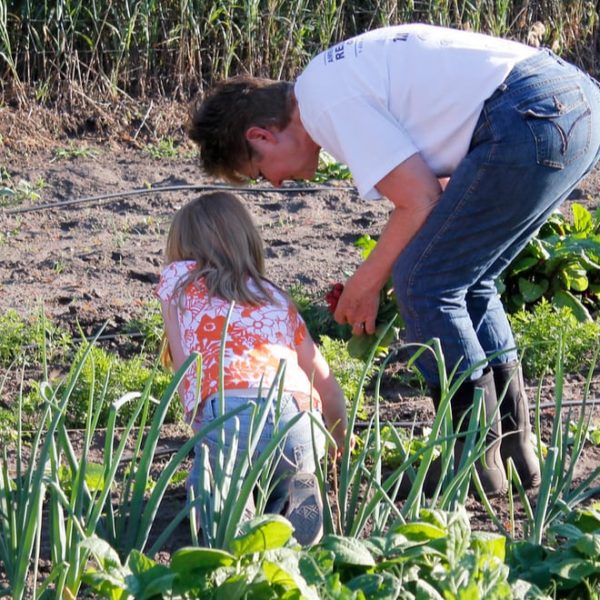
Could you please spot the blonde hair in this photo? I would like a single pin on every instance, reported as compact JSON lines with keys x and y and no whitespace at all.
{"x":217,"y":232}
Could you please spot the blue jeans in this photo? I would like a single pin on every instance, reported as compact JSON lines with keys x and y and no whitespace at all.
{"x":537,"y":136}
{"x":296,"y":453}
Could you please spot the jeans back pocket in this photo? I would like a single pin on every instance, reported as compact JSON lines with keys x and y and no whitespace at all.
{"x":561,"y":124}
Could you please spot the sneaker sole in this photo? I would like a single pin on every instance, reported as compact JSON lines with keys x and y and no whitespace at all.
{"x":305,"y":508}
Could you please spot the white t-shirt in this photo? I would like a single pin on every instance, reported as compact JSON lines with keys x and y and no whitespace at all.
{"x":376,"y":99}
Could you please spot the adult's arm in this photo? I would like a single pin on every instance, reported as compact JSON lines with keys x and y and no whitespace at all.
{"x":413,"y":190}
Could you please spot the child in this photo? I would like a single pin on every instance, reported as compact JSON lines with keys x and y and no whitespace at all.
{"x":215,"y":257}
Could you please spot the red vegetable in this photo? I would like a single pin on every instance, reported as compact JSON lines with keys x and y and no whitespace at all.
{"x":333,"y":295}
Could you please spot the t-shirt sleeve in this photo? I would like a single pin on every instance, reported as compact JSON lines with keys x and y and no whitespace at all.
{"x":298,"y":325}
{"x":169,"y":278}
{"x":381,"y":145}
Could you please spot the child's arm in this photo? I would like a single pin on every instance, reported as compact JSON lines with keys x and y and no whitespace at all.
{"x":169,"y":314}
{"x":315,"y":366}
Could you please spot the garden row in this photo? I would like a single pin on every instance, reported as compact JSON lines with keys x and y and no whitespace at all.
{"x":93,"y":520}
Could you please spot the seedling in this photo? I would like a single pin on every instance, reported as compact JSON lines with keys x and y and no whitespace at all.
{"x":163,"y":149}
{"x":73,"y":151}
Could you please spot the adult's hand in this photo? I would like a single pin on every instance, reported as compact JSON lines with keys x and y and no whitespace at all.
{"x":414,"y":190}
{"x":359,"y":303}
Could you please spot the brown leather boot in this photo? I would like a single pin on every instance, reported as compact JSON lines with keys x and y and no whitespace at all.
{"x":491,"y":471}
{"x":516,"y":426}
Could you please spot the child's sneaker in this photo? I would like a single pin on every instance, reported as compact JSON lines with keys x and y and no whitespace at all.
{"x":305,"y":508}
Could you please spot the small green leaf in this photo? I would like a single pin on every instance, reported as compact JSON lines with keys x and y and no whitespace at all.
{"x":565,"y":298}
{"x":574,"y":569}
{"x":103,"y":551}
{"x":359,"y":346}
{"x":348,"y":551}
{"x":264,"y":533}
{"x":589,"y":544}
{"x":582,"y":218}
{"x":575,"y":277}
{"x":366,"y":244}
{"x":94,"y":476}
{"x":539,"y":249}
{"x":277,"y":576}
{"x":187,"y":560}
{"x":489,"y":543}
{"x":523,"y":264}
{"x":420,"y":532}
{"x":532,"y":291}
{"x":379,"y":586}
{"x":315,"y":564}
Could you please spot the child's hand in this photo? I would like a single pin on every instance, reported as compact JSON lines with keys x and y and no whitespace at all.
{"x":340,"y":439}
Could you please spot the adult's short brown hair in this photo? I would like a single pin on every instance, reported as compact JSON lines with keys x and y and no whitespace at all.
{"x":219,"y":121}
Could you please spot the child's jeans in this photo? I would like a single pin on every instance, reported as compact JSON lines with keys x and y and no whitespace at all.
{"x":296,"y":453}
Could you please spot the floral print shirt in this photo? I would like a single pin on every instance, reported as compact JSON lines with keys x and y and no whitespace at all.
{"x":258,"y":337}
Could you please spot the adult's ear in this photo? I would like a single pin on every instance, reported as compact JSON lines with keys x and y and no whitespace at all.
{"x":260,"y":134}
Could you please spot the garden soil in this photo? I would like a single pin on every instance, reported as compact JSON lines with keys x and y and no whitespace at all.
{"x":92,"y":261}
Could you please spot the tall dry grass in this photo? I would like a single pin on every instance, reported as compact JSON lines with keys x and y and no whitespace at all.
{"x":53,"y":50}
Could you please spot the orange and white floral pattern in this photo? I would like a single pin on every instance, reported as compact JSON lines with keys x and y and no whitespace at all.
{"x":258,"y":338}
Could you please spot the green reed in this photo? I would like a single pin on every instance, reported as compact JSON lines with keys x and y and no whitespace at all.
{"x":68,"y":49}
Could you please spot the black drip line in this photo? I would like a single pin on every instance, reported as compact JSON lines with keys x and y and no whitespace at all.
{"x":105,"y":198}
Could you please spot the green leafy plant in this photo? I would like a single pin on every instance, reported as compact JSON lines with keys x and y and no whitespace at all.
{"x":388,"y":321}
{"x":435,"y":555}
{"x":74,"y":151}
{"x":329,"y":169}
{"x":591,"y":432}
{"x":29,"y":340}
{"x":397,"y":444}
{"x":104,"y":369}
{"x":347,"y":370}
{"x":261,"y":561}
{"x":539,"y":331}
{"x":567,"y":564}
{"x":163,"y":149}
{"x":561,"y":264}
{"x":149,"y":325}
{"x":318,"y":318}
{"x":12,"y":194}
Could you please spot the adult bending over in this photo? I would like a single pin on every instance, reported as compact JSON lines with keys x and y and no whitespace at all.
{"x":513,"y":127}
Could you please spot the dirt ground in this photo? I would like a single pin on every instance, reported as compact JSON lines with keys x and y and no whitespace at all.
{"x":97,"y":261}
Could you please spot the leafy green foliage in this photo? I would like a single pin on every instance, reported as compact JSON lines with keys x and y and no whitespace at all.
{"x":591,"y":432}
{"x":569,"y":564}
{"x":74,"y":151}
{"x":561,"y":264}
{"x":163,"y":149}
{"x":433,"y":556}
{"x":22,"y":339}
{"x":540,"y":331}
{"x":388,"y":321}
{"x":15,"y":193}
{"x":347,"y":370}
{"x":149,"y":325}
{"x":104,"y":369}
{"x":396,"y":444}
{"x":319,"y":320}
{"x":329,"y":169}
{"x":261,"y":562}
